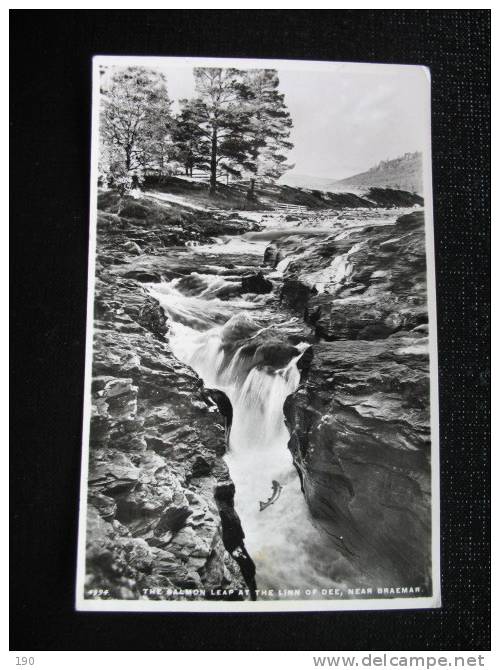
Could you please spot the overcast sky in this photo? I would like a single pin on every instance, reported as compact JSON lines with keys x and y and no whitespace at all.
{"x":347,"y":118}
{"x":347,"y":121}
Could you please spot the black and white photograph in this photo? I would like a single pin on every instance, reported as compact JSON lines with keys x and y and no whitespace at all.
{"x":260,"y":425}
{"x":249,"y":338}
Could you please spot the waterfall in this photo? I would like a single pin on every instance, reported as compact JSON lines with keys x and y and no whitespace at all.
{"x":206,"y":334}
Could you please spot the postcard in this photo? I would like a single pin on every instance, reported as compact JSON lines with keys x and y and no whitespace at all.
{"x":261,"y":409}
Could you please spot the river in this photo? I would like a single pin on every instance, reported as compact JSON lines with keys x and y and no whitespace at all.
{"x":230,"y":341}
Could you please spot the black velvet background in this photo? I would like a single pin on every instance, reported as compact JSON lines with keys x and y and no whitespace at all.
{"x":50,"y":130}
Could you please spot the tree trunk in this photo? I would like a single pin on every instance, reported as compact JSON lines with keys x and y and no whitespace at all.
{"x":213,"y":163}
{"x":128,"y":161}
{"x":251,"y":190}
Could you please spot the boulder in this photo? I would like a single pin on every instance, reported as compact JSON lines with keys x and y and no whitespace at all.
{"x":239,"y":327}
{"x":132,"y":248}
{"x":173,"y":519}
{"x":274,"y":353}
{"x":256,"y":283}
{"x":200,"y":467}
{"x":152,"y":316}
{"x":112,"y":473}
{"x":143,"y":276}
{"x":295,"y":294}
{"x":271,"y":256}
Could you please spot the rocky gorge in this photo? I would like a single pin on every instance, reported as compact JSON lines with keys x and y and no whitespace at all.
{"x":232,"y":345}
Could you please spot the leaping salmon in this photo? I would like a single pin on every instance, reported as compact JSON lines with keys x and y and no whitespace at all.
{"x":277,"y":488}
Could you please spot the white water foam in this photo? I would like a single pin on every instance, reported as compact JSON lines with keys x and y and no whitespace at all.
{"x":331,"y":278}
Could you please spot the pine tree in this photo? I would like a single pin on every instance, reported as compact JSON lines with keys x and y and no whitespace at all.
{"x":135,"y":123}
{"x":270,"y":125}
{"x":192,"y":147}
{"x":222,"y":119}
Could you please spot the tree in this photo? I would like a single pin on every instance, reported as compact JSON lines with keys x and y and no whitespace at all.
{"x":192,"y":147}
{"x":222,"y":119}
{"x":135,"y":122}
{"x":270,"y":125}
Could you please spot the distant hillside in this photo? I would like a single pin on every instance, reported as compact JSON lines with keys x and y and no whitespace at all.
{"x":403,"y":173}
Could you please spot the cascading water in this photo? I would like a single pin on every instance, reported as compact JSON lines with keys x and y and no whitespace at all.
{"x":205,"y":333}
{"x":331,"y":278}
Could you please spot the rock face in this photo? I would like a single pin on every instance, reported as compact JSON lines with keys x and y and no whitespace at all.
{"x":365,"y":286}
{"x":359,"y":421}
{"x":360,"y":441}
{"x":160,"y":502}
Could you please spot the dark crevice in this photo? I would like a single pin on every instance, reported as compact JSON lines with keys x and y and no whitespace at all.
{"x":233,"y":535}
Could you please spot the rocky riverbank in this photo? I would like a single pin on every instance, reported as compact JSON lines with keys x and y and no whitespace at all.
{"x":160,"y":506}
{"x":359,"y":421}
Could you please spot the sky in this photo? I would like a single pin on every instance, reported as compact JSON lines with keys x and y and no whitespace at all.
{"x":347,"y":117}
{"x":346,"y":122}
